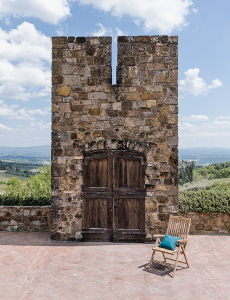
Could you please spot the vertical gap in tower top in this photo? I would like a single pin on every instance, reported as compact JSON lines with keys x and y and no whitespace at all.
{"x":114,"y":61}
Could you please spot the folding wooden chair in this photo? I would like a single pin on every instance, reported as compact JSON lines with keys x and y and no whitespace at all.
{"x":178,"y":227}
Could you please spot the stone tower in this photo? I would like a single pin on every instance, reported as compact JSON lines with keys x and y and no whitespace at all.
{"x":90,"y":115}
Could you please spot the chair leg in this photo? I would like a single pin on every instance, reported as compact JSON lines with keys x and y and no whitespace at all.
{"x":151,"y":260}
{"x":157,"y":242}
{"x":164,"y":256}
{"x":185,"y":256}
{"x":177,"y":258}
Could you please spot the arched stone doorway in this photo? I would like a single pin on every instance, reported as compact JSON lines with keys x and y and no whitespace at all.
{"x":114,"y":196}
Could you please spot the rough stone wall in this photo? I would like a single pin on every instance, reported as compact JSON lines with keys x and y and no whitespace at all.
{"x":205,"y":223}
{"x":89,"y":113}
{"x":37,"y":219}
{"x":25,"y":218}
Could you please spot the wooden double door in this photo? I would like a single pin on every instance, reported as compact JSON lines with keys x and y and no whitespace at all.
{"x":114,"y":196}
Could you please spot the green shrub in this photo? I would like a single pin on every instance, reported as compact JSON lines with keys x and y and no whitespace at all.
{"x":11,"y":200}
{"x":207,"y":201}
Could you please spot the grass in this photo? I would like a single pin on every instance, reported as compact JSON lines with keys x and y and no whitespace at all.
{"x":4,"y":177}
{"x":203,"y":184}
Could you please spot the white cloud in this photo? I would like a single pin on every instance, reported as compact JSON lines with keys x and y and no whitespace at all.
{"x":26,"y":74}
{"x":222,"y":123}
{"x":105,"y":31}
{"x":17,"y":92}
{"x":119,"y":32}
{"x":39,"y":125}
{"x":215,"y":84}
{"x":38,"y":111}
{"x":11,"y":112}
{"x":60,"y":32}
{"x":52,"y":11}
{"x":186,"y":126}
{"x":214,"y":129}
{"x":223,"y":118}
{"x":5,"y":128}
{"x":25,"y":58}
{"x":102,"y":31}
{"x":196,"y":118}
{"x":196,"y":85}
{"x":163,"y":16}
{"x":25,"y":43}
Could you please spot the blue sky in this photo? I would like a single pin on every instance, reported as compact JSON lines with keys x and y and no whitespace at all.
{"x":203,"y":28}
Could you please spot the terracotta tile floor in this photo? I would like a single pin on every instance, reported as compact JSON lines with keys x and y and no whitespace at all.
{"x":33,"y":267}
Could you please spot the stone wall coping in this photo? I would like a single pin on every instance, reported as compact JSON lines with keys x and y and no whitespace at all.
{"x":28,"y":206}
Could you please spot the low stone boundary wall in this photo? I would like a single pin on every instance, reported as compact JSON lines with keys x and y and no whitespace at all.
{"x":208,"y":223}
{"x":37,"y":218}
{"x":25,"y":218}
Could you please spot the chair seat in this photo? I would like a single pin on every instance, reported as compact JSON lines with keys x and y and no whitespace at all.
{"x":172,"y":252}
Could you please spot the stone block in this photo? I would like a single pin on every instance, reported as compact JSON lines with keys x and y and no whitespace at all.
{"x":13,"y":223}
{"x":95,"y":111}
{"x":218,"y":223}
{"x":71,"y":80}
{"x":151,"y":103}
{"x":146,"y":96}
{"x":129,"y":61}
{"x":67,"y":69}
{"x":59,"y":42}
{"x":56,"y":68}
{"x":199,"y":226}
{"x":163,"y":217}
{"x":64,"y":108}
{"x":162,"y":199}
{"x":57,"y":80}
{"x":133,"y":96}
{"x":129,"y":122}
{"x":100,"y":145}
{"x":160,"y":76}
{"x":100,"y":95}
{"x":150,"y":206}
{"x":162,"y":208}
{"x":63,"y":91}
{"x":26,"y":212}
{"x":143,"y":39}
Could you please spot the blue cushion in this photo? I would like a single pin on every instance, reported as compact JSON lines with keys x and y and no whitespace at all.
{"x":169,"y":242}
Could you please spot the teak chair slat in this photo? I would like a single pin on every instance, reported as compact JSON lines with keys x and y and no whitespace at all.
{"x":179,"y":227}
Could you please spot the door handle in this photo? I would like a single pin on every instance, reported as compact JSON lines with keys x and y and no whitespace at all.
{"x":116,"y":204}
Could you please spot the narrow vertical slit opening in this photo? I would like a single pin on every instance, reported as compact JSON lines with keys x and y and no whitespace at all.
{"x":114,"y":61}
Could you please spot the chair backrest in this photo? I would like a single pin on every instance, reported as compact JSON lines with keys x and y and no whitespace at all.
{"x":179,"y":227}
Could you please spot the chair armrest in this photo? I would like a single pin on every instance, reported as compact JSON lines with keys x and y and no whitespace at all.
{"x":182,"y":241}
{"x":158,"y":235}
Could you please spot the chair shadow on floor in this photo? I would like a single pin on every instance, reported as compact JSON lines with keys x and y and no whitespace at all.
{"x":160,"y":270}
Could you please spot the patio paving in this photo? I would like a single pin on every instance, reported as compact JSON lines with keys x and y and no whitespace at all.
{"x":34,"y":267}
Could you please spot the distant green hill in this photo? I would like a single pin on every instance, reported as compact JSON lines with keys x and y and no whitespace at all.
{"x":202,"y":156}
{"x":25,"y":152}
{"x":205,"y":156}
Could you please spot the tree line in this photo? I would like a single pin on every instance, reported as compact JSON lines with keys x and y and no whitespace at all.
{"x":189,"y":172}
{"x":19,"y":169}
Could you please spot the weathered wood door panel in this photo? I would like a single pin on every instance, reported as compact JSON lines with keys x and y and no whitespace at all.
{"x":97,"y":172}
{"x":114,"y":196}
{"x":128,"y":219}
{"x":129,"y":196}
{"x":97,"y":218}
{"x":98,"y":202}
